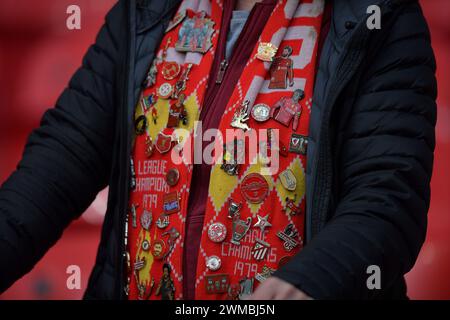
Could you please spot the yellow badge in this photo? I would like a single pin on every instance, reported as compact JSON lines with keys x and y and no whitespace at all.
{"x":266,"y":51}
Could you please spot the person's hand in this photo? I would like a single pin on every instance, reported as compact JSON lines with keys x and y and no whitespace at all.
{"x":277,"y":289}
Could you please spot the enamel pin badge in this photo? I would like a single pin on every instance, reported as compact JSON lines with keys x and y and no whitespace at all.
{"x":282,"y":70}
{"x":260,"y":249}
{"x":266,"y":51}
{"x":240,"y":228}
{"x":195,"y":34}
{"x":288,"y":236}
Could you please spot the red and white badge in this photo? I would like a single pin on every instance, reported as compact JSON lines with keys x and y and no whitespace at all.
{"x":165,"y":90}
{"x":159,"y":249}
{"x":171,"y":70}
{"x":254,"y":188}
{"x":163,"y":142}
{"x":217,"y":232}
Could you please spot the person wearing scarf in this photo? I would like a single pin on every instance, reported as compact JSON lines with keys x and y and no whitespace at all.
{"x":273,"y":149}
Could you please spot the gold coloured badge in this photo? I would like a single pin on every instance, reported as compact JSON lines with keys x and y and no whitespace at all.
{"x":266,"y":51}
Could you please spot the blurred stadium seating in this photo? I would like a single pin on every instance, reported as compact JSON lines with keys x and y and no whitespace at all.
{"x":38,"y":54}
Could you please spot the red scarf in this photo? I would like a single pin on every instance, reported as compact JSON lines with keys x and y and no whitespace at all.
{"x":248,"y":252}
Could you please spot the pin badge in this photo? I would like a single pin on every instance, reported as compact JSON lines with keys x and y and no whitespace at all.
{"x":260,"y":249}
{"x":148,"y":146}
{"x":288,"y":180}
{"x":134,"y":215}
{"x":177,"y":113}
{"x":163,"y":143}
{"x":146,"y":219}
{"x":266,"y":51}
{"x":150,"y":80}
{"x":283,"y":150}
{"x":233,"y":208}
{"x":132,"y":174}
{"x":266,"y":273}
{"x":246,"y":288}
{"x":241,"y":116}
{"x":139,"y":264}
{"x":154,"y":115}
{"x":140,"y":125}
{"x":171,"y":70}
{"x":173,"y":236}
{"x":217,"y":283}
{"x":298,"y":144}
{"x":239,"y":229}
{"x":230,"y":168}
{"x":217,"y":232}
{"x":281,"y":147}
{"x":290,"y":207}
{"x":172,"y":177}
{"x":254,"y":188}
{"x":158,"y":249}
{"x":229,"y":163}
{"x":260,"y":112}
{"x":288,"y":237}
{"x":165,"y":90}
{"x":180,"y":85}
{"x":176,"y":20}
{"x":195,"y":34}
{"x":166,"y":286}
{"x":213,"y":263}
{"x":233,"y":291}
{"x":288,"y":109}
{"x":282,"y":70}
{"x":145,"y":245}
{"x":262,"y":223}
{"x":163,"y":221}
{"x":147,"y":102}
{"x":171,"y":202}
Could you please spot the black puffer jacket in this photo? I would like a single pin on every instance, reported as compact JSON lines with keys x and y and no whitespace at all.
{"x":369,"y":158}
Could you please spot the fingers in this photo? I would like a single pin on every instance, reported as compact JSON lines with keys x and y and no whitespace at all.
{"x":277,"y":289}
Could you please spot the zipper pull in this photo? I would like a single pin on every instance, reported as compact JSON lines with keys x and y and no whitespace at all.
{"x":222,"y":69}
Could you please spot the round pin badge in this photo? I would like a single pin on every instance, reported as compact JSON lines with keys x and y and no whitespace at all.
{"x":171,"y":70}
{"x":260,"y":112}
{"x":163,"y":221}
{"x":165,"y":90}
{"x":213,"y":263}
{"x":217,"y":232}
{"x":158,"y":249}
{"x":172,"y":177}
{"x":254,"y":188}
{"x":145,"y":245}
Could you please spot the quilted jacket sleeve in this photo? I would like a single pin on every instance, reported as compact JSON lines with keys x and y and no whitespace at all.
{"x":385,"y":169}
{"x":66,"y":160}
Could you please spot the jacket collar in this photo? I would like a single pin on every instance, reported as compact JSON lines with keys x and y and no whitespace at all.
{"x":150,"y":12}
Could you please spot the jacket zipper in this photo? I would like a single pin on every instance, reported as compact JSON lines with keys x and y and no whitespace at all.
{"x":125,"y":176}
{"x":222,"y":69}
{"x":225,"y":65}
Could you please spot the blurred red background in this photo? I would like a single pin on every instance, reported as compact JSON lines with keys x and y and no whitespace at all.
{"x":38,"y":54}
